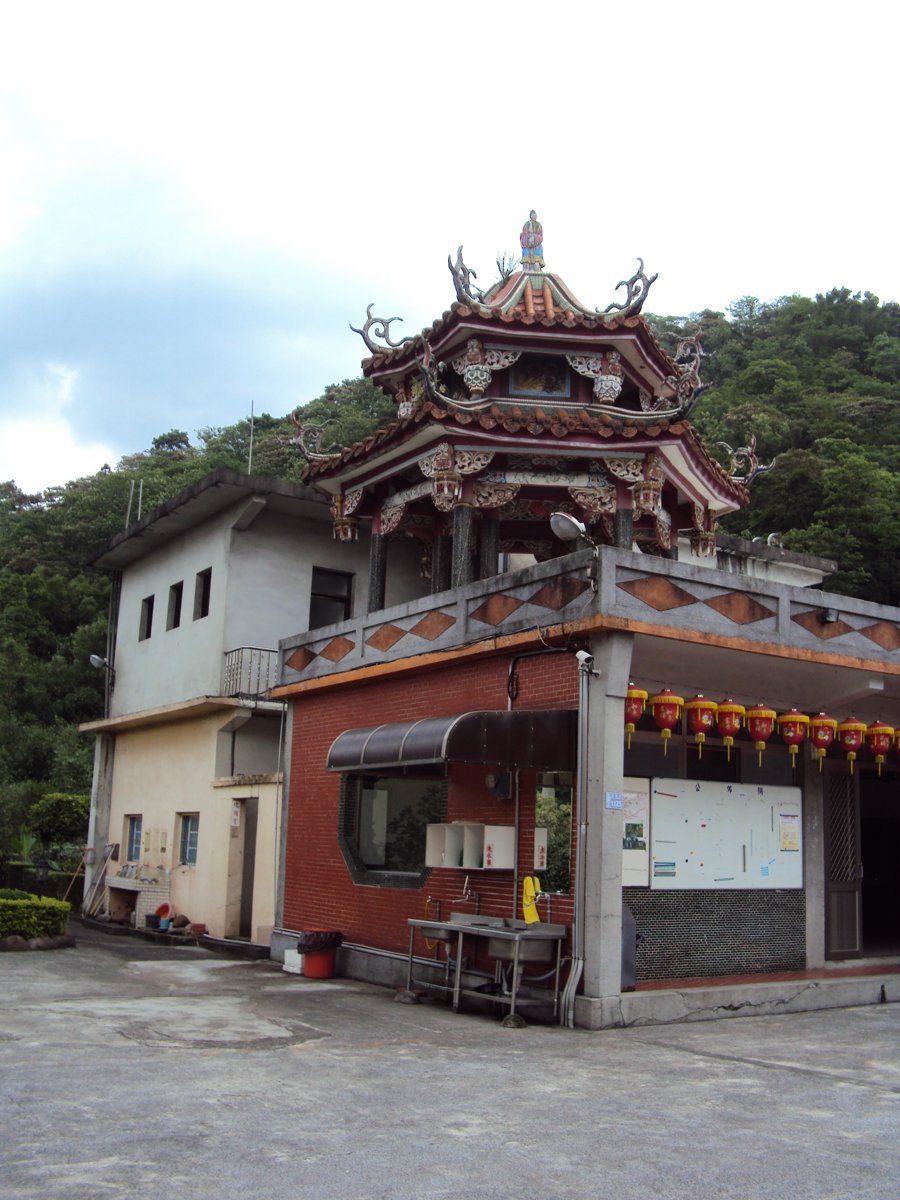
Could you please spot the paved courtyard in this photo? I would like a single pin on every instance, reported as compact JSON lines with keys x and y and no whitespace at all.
{"x":134,"y":1070}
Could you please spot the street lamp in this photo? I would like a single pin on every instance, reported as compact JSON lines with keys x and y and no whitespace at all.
{"x":568,"y":529}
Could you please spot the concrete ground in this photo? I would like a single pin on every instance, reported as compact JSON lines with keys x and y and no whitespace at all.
{"x":134,"y":1070}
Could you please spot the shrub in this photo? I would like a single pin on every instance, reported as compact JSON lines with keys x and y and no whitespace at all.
{"x":34,"y":917}
{"x":15,"y":894}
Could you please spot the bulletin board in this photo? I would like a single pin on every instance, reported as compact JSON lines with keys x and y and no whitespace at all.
{"x":725,"y":835}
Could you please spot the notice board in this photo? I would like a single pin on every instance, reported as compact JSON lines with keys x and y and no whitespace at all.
{"x":725,"y":835}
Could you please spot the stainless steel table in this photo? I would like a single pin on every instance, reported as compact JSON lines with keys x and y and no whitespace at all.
{"x":517,"y":934}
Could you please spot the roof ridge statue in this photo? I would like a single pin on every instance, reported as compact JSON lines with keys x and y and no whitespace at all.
{"x":531,"y":239}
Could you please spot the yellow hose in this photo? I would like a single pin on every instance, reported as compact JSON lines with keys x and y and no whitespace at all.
{"x":430,"y":945}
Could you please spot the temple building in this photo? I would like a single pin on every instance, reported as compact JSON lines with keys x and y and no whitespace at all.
{"x":597,"y":724}
{"x":518,"y":403}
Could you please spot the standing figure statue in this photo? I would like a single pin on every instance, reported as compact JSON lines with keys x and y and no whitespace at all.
{"x":532,"y":242}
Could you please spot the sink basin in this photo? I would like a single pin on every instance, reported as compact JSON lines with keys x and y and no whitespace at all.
{"x":441,"y":933}
{"x":531,"y":949}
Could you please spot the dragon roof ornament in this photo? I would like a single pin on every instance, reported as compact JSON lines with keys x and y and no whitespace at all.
{"x":308,"y":439}
{"x":687,"y":385}
{"x":745,"y":455}
{"x":381,"y":329}
{"x":637,"y":288}
{"x":466,"y":292}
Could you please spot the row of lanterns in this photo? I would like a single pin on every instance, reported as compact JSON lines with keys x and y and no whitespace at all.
{"x":727,"y":718}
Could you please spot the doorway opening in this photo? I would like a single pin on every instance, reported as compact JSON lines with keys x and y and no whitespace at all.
{"x":879,"y":812}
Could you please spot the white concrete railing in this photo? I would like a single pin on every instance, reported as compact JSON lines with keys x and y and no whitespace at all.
{"x":249,"y":671}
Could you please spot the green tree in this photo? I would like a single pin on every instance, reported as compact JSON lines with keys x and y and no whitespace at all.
{"x":59,"y":818}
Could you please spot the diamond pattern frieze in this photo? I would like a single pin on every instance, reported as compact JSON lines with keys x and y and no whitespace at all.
{"x":300,"y":659}
{"x":337,"y":649}
{"x":658,"y":593}
{"x":559,"y":592}
{"x":739,"y":607}
{"x":385,"y":637}
{"x":812,"y":621}
{"x":884,"y":633}
{"x":496,"y":609}
{"x":432,"y":625}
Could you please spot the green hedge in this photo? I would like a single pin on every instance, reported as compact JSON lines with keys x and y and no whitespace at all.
{"x":35,"y":917}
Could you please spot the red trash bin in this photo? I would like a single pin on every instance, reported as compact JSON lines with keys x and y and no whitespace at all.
{"x":319,"y":950}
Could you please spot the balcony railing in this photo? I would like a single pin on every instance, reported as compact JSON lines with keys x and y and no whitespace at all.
{"x":249,"y":671}
{"x":631,"y":591}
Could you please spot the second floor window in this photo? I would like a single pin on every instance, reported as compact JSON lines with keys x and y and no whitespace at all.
{"x":202,"y":592}
{"x":329,"y":599}
{"x":173,"y":618}
{"x":146,"y":625}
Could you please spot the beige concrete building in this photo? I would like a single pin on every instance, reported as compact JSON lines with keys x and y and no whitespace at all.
{"x":187,"y":796}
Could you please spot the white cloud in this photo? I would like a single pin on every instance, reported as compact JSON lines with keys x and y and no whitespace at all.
{"x":41,"y":447}
{"x":196,"y":199}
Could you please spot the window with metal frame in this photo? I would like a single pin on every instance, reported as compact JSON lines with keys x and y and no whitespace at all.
{"x":133,"y":838}
{"x":187,"y":846}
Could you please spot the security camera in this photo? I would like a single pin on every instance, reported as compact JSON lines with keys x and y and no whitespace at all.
{"x":584,"y":659}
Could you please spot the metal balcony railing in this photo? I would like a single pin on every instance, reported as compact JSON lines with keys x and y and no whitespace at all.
{"x":249,"y":671}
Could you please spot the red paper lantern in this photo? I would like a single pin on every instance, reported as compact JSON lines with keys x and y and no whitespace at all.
{"x":728,"y":722}
{"x":635,"y":701}
{"x":821,"y":732}
{"x":878,"y":739}
{"x":701,"y":716}
{"x":850,"y":735}
{"x":760,"y":723}
{"x":793,"y":727}
{"x":666,"y":708}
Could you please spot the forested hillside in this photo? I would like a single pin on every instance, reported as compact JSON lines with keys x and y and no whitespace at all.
{"x":816,"y":381}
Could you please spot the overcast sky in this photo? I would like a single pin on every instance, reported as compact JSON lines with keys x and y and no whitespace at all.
{"x":197,"y":197}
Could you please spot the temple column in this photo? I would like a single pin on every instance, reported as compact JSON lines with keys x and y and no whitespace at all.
{"x":442,"y":551}
{"x":623,"y":522}
{"x":601,"y":838}
{"x":377,"y":572}
{"x":489,"y":549}
{"x":463,"y":565}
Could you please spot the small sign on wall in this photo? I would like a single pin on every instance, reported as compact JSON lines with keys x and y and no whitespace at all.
{"x":235,"y":814}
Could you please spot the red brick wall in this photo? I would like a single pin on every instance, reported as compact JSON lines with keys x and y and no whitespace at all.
{"x":319,"y":891}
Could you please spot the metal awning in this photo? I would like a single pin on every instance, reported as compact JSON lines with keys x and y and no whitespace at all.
{"x":522,"y":738}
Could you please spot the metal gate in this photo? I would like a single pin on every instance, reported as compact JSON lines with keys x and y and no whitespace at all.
{"x":843,"y":866}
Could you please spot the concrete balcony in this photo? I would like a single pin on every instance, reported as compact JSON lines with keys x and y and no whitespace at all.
{"x":693,"y":625}
{"x":249,"y":671}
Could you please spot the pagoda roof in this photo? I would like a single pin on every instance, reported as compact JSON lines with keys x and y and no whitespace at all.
{"x":450,"y":385}
{"x":604,"y":435}
{"x":552,"y":307}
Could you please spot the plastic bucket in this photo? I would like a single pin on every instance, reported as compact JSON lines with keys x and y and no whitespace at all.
{"x":319,"y":947}
{"x":151,"y":921}
{"x":319,"y":964}
{"x":164,"y":923}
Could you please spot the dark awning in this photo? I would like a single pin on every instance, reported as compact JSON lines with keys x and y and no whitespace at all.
{"x":542,"y":738}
